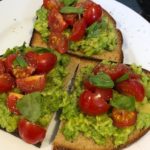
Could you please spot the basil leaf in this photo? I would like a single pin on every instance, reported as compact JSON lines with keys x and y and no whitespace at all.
{"x":122,"y":78}
{"x":71,"y":9}
{"x":30,"y":106}
{"x":102,"y":80}
{"x":123,"y":102}
{"x":68,"y":2}
{"x":20,"y":61}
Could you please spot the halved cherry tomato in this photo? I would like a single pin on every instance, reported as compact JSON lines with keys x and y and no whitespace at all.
{"x":7,"y":82}
{"x":78,"y":31}
{"x":20,"y":72}
{"x":123,"y":118}
{"x":31,"y":83}
{"x":91,"y":103}
{"x":92,"y":13}
{"x":70,"y":18}
{"x":11,"y":102}
{"x":58,"y":42}
{"x":30,"y":132}
{"x":50,"y":4}
{"x":114,"y":72}
{"x":56,"y":22}
{"x":2,"y":67}
{"x":31,"y":58}
{"x":106,"y":94}
{"x":45,"y":62}
{"x":131,"y":87}
{"x":9,"y":62}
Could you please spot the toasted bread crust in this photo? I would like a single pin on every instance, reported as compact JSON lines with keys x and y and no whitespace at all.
{"x":82,"y":144}
{"x":115,"y":55}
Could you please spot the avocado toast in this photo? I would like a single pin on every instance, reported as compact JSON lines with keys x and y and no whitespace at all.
{"x":32,"y":83}
{"x":83,"y":128}
{"x":99,"y":39}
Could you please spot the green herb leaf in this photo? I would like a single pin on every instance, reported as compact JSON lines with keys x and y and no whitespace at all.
{"x":123,"y":102}
{"x":30,"y":106}
{"x":101,"y":80}
{"x":20,"y":61}
{"x":71,"y":9}
{"x":68,"y":2}
{"x":122,"y":78}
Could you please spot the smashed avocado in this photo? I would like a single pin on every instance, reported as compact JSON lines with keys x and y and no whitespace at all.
{"x":37,"y":107}
{"x":101,"y":127}
{"x":100,"y":36}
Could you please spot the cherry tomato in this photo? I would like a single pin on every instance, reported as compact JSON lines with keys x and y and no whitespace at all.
{"x":122,"y":118}
{"x":2,"y":67}
{"x":32,"y":83}
{"x":132,"y":87}
{"x":134,"y":76}
{"x":91,"y":103}
{"x":78,"y":31}
{"x":45,"y":62}
{"x":58,"y":42}
{"x":20,"y":72}
{"x":7,"y":82}
{"x":9,"y":62}
{"x":30,"y":132}
{"x":11,"y":102}
{"x":106,"y":94}
{"x":56,"y":22}
{"x":31,"y":58}
{"x":70,"y":18}
{"x":50,"y":4}
{"x":92,"y":13}
{"x":113,"y":71}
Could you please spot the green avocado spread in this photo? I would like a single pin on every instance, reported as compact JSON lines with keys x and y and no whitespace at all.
{"x":100,"y":36}
{"x":101,"y":127}
{"x":37,"y":107}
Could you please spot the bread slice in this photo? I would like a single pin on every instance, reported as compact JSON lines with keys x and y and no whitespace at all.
{"x":84,"y":143}
{"x":115,"y":55}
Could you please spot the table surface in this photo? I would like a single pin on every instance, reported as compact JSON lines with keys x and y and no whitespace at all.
{"x":133,"y":4}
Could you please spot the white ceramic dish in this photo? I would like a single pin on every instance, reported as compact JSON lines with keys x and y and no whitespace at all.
{"x":17,"y":28}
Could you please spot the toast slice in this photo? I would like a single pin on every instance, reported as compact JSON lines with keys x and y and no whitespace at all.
{"x":85,"y":143}
{"x":115,"y":55}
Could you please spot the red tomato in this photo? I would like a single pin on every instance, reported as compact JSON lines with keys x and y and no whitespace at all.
{"x":92,"y":13}
{"x":2,"y":67}
{"x":20,"y":72}
{"x":106,"y":94}
{"x":78,"y":31}
{"x":50,"y":4}
{"x":30,"y":132}
{"x":113,"y":71}
{"x":58,"y":42}
{"x":32,"y":83}
{"x":122,"y":118}
{"x":7,"y":82}
{"x":11,"y":102}
{"x":91,"y":103}
{"x":70,"y":18}
{"x":45,"y":62}
{"x":9,"y":62}
{"x":56,"y":22}
{"x":132,"y":87}
{"x":31,"y":58}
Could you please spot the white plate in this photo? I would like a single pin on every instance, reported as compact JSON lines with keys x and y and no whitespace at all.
{"x":17,"y":18}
